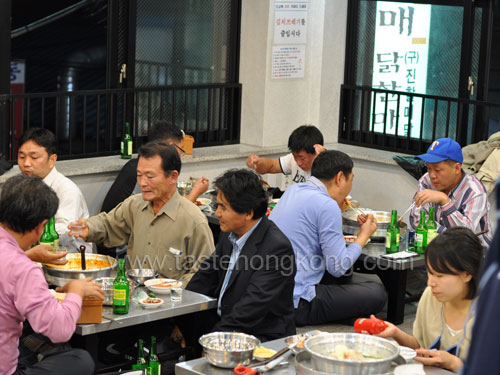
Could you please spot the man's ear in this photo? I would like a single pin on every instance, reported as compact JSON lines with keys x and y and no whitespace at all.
{"x":39,"y":228}
{"x":52,"y":160}
{"x":339,"y":177}
{"x":175,"y":176}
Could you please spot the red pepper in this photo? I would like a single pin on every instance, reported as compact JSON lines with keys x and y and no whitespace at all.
{"x":372,"y":326}
{"x":243,"y":370}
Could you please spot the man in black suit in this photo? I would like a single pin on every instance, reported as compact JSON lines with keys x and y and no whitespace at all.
{"x":252,"y":270}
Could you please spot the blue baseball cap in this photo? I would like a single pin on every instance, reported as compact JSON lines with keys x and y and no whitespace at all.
{"x":443,"y":149}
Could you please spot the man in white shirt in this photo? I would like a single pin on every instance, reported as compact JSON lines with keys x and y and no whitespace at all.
{"x":305,"y":143}
{"x":37,"y":156}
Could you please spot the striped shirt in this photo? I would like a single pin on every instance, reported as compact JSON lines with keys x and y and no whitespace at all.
{"x":468,"y":207}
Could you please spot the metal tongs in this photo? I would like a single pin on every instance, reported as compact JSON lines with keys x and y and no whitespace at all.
{"x":268,"y":364}
{"x":407,"y":210}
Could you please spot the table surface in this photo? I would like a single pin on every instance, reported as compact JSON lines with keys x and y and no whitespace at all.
{"x":372,"y":255}
{"x":191,"y":302}
{"x":201,"y":366}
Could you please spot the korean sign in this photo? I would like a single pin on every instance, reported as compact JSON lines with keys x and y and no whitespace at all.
{"x":400,"y":64}
{"x":290,"y":22}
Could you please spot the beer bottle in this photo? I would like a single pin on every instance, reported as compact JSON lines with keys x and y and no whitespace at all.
{"x":46,"y":238}
{"x":393,"y":235}
{"x":154,"y":361}
{"x":431,"y":225}
{"x":141,"y":362}
{"x":120,"y":290}
{"x":126,"y":143}
{"x":421,"y":234}
{"x":53,"y":232}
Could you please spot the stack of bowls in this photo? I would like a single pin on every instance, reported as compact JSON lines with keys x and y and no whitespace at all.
{"x":141,"y":275}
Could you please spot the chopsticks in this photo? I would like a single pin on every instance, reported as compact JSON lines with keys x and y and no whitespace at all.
{"x":407,"y":210}
{"x":482,"y":232}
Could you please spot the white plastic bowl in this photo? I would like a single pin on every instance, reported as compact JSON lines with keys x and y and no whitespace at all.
{"x":147,"y":305}
{"x":150,"y":284}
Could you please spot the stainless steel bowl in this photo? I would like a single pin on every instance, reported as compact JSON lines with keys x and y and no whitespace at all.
{"x":321,"y":347}
{"x":142,"y":275}
{"x":60,"y":276}
{"x":107,"y":286}
{"x":228,"y":349}
{"x":350,"y":223}
{"x":303,"y":365}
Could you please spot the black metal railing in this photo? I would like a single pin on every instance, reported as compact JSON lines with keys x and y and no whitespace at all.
{"x":90,"y":123}
{"x":409,"y":122}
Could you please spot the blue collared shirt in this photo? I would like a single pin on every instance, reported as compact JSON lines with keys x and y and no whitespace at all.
{"x":238,"y":244}
{"x":312,"y":221}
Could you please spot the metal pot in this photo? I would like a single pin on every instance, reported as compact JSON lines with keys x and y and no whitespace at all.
{"x":228,"y":349}
{"x":59,"y":277}
{"x":321,"y":347}
{"x":350,"y":223}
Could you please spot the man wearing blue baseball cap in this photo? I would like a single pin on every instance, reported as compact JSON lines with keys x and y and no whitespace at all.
{"x":458,"y":198}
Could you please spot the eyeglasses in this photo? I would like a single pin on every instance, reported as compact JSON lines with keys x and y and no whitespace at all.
{"x":179,"y":147}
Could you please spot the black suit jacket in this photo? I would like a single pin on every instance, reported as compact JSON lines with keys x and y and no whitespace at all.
{"x":259,"y":297}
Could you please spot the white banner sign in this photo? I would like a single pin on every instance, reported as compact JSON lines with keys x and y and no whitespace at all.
{"x":400,"y":64}
{"x":290,"y":22}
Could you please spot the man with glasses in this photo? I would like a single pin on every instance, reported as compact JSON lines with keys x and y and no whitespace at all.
{"x":125,"y":183}
{"x":163,"y":229}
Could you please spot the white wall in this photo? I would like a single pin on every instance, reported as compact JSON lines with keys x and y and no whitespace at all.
{"x":272,"y":108}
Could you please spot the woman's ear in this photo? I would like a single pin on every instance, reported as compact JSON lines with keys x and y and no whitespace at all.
{"x":466,"y":277}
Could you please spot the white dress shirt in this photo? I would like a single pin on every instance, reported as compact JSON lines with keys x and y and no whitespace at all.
{"x":72,"y":206}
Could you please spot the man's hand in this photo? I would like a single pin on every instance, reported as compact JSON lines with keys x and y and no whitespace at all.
{"x":430,"y":196}
{"x":83,"y":287}
{"x":368,"y":226}
{"x":253,"y":161}
{"x":319,"y":149}
{"x":42,"y":254}
{"x":176,"y":336}
{"x":199,"y":187}
{"x":438,"y":358}
{"x":83,"y":232}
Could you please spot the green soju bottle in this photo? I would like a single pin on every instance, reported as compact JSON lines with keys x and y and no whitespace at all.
{"x":120,"y":290}
{"x":55,"y":236}
{"x":393,"y":235}
{"x":421,"y":234}
{"x":46,"y":238}
{"x":431,"y":226}
{"x":154,"y":362}
{"x":141,"y":359}
{"x":126,"y":143}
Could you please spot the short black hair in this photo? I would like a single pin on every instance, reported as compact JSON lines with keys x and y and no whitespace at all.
{"x":25,"y":202}
{"x":165,"y":131}
{"x":243,"y":190}
{"x":304,"y":138}
{"x":42,"y":137}
{"x":170,"y":159}
{"x":329,"y":163}
{"x":454,"y":251}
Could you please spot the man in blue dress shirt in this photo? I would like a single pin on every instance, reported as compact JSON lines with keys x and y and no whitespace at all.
{"x":310,"y":215}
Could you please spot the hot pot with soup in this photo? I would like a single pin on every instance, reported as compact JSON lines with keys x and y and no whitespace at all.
{"x":97,"y":265}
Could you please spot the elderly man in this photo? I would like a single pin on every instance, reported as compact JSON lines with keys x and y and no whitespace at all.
{"x":125,"y":183}
{"x":305,"y":143}
{"x":37,"y":156}
{"x":252,"y":269}
{"x":163,"y":230}
{"x":459,"y":199}
{"x":26,"y":204}
{"x":310,"y":216}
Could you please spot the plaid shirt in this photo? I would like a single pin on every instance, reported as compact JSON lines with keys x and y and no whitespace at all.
{"x":468,"y":207}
